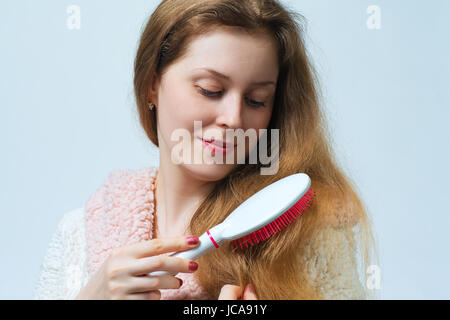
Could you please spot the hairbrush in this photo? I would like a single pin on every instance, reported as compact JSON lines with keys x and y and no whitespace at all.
{"x":264,"y":214}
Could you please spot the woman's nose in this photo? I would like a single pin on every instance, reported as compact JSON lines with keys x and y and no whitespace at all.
{"x":230,"y":114}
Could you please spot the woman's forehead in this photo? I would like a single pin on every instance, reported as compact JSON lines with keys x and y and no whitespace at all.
{"x":229,"y":56}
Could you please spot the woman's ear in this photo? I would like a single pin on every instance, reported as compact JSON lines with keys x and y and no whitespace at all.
{"x":152,"y":94}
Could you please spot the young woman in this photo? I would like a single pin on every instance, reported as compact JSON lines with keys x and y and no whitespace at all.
{"x":230,"y":64}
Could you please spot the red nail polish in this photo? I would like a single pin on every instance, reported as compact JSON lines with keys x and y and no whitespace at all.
{"x":192,"y":240}
{"x":193,"y":265}
{"x":181,"y":281}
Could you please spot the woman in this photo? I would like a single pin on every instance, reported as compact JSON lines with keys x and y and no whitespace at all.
{"x":230,"y":64}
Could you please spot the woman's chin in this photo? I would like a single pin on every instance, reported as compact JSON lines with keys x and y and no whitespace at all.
{"x":209,"y":172}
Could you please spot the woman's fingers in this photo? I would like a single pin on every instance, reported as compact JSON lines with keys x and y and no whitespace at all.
{"x":125,"y":272}
{"x":149,"y":283}
{"x":249,"y":293}
{"x":230,"y":292}
{"x":162,"y":263}
{"x":150,"y":295}
{"x":163,"y":245}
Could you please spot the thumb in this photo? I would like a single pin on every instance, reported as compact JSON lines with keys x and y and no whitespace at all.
{"x":249,"y":293}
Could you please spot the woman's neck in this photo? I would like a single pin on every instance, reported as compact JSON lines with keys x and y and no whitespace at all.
{"x":178,"y":195}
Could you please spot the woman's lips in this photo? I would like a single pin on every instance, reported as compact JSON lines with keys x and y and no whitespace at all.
{"x":218,"y":146}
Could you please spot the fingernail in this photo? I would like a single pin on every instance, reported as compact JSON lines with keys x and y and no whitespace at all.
{"x":193,"y":265}
{"x":181,"y":281}
{"x":192,"y":240}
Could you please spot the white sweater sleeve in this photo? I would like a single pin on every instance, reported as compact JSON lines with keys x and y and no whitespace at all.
{"x":63,"y":272}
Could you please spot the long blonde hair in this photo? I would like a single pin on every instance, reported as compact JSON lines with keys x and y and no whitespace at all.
{"x":273,"y":266}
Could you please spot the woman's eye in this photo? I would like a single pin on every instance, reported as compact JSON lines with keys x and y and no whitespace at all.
{"x":214,"y":94}
{"x":256,"y":103}
{"x":210,"y":93}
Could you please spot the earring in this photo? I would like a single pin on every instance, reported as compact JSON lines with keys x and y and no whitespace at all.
{"x":151,"y":106}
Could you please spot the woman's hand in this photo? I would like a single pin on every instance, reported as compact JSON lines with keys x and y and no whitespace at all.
{"x":124,"y":275}
{"x":232,"y":292}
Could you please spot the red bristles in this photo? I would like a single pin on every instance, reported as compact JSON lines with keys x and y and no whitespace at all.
{"x":278,"y":224}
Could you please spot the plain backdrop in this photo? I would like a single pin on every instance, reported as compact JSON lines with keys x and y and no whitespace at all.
{"x":68,"y":118}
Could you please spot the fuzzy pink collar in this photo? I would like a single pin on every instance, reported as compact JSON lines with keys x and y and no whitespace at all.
{"x":121,"y":212}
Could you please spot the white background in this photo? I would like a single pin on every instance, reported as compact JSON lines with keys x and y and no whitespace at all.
{"x":67,"y":119}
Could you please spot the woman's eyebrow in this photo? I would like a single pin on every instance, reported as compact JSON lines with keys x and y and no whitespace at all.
{"x":225,"y":77}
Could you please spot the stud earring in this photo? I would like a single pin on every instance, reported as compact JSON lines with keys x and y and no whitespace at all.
{"x":151,"y":106}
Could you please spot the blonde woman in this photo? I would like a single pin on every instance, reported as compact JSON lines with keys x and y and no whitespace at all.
{"x":230,"y":64}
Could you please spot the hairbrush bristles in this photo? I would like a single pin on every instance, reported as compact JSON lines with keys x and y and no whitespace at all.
{"x":278,"y":224}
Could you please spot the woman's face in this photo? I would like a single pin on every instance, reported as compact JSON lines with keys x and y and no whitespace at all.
{"x":242,"y":98}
